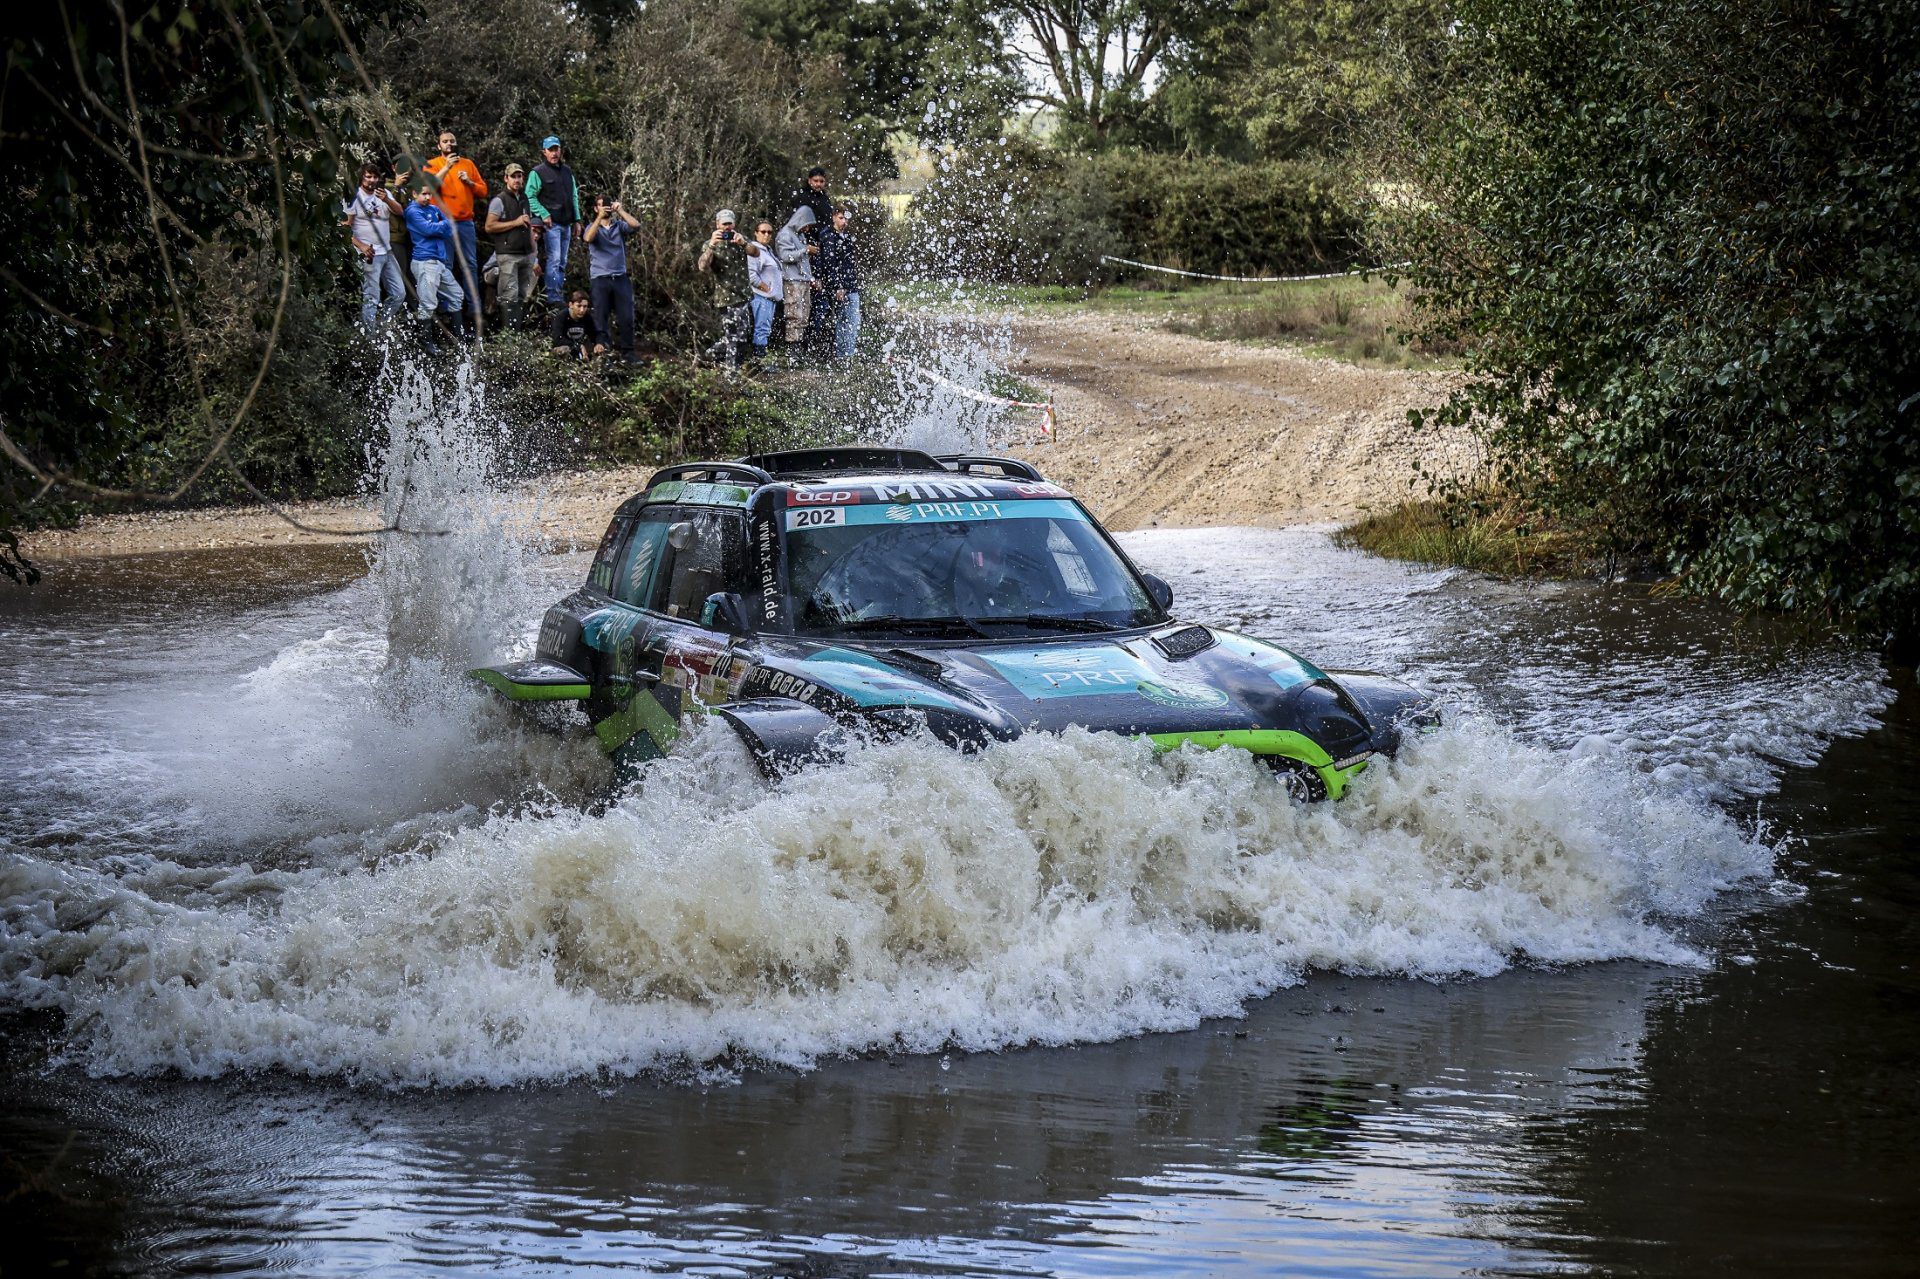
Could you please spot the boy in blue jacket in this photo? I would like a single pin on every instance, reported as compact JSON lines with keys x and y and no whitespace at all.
{"x":433,"y":277}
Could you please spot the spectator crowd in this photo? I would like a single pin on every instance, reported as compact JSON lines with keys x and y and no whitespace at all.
{"x":791,"y":282}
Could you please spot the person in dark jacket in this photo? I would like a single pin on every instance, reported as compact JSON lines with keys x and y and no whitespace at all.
{"x":813,"y":195}
{"x":553,"y":196}
{"x":840,"y":283}
{"x":576,"y":334}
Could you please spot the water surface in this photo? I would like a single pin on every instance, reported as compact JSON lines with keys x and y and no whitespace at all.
{"x":1616,"y":977}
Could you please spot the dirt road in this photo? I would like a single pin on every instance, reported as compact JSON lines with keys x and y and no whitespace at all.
{"x":1155,"y":428}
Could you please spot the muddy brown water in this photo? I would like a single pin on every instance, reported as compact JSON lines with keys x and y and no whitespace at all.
{"x":1755,"y":1111}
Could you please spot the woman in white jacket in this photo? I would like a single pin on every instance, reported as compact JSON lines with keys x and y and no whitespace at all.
{"x":796,"y":271}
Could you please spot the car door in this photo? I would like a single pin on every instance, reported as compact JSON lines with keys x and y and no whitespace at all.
{"x":704,"y":555}
{"x":628,"y":716}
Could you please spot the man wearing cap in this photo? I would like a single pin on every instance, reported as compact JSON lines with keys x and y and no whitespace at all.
{"x":510,"y":227}
{"x":554,"y":198}
{"x":456,"y":184}
{"x":724,"y":257}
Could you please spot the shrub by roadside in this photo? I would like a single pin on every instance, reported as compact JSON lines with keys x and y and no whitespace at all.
{"x":1018,"y":212}
{"x":1497,"y":534}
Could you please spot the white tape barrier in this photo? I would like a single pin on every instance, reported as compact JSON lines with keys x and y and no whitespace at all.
{"x":1244,"y":279}
{"x":1046,"y":409}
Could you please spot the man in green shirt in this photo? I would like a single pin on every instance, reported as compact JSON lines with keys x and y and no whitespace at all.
{"x":553,"y":197}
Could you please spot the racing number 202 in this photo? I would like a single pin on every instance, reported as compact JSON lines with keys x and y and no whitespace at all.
{"x":816,"y":517}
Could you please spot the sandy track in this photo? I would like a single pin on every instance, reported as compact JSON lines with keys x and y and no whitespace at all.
{"x":1155,"y":428}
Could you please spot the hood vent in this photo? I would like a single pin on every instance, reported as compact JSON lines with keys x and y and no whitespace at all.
{"x":1184,"y":642}
{"x":914,"y":663}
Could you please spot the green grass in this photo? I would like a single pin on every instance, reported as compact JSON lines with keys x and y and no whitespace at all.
{"x":1487,"y":534}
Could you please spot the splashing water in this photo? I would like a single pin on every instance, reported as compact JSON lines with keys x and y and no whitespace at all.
{"x":1054,"y":890}
{"x":454,"y":582}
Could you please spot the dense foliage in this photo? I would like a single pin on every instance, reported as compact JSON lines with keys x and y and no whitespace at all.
{"x":1285,"y":79}
{"x":1680,"y":235}
{"x":155,"y":158}
{"x":1019,"y":213}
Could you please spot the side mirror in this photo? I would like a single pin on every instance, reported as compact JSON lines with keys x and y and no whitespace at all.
{"x":680,"y":536}
{"x":724,"y":611}
{"x":1161,"y":592}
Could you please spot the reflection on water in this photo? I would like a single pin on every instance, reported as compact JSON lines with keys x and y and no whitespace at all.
{"x":1752,"y":1115}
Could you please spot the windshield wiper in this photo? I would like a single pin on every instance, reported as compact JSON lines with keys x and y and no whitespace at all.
{"x":1042,"y":621}
{"x":925,"y":625}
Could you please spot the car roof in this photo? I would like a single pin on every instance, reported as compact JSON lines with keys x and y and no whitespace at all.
{"x":863,"y":474}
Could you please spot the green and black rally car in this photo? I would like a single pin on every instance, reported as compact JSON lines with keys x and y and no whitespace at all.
{"x":813,"y":596}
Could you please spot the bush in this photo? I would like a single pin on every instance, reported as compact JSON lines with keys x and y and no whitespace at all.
{"x":1687,"y":269}
{"x":1013,"y":212}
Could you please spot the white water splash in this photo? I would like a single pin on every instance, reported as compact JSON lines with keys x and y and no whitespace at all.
{"x":1052,"y":890}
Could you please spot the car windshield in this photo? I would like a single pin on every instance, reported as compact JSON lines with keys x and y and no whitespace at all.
{"x":959,"y":568}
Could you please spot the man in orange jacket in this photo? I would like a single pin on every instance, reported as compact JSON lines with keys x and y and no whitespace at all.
{"x":458,"y":183}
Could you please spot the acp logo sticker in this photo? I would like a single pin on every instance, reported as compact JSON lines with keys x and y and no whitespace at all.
{"x":1181,"y":695}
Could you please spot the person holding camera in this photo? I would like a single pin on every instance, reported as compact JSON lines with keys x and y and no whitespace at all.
{"x":607,"y":272}
{"x":726,"y":256}
{"x":366,"y":212}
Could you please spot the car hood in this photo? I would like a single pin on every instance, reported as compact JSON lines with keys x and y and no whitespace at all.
{"x":1182,"y":679}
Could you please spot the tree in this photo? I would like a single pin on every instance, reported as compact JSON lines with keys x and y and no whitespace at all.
{"x":1093,"y":60}
{"x":1679,"y":235}
{"x":1282,"y":79}
{"x":149,"y":151}
{"x":931,"y":69}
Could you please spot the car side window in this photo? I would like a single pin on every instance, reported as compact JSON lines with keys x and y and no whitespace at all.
{"x":633,"y":584}
{"x":606,"y":560}
{"x":714,"y":559}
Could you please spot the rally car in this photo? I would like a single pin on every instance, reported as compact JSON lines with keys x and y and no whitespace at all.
{"x":814,"y":596}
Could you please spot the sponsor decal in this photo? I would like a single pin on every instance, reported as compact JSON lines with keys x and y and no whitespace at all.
{"x":816,"y":517}
{"x":781,"y":684}
{"x":931,"y":490}
{"x":1041,"y":489}
{"x":865,"y":680}
{"x":552,"y":634}
{"x":1064,"y":671}
{"x":769,"y":578}
{"x":813,"y":497}
{"x":704,"y":673}
{"x":1183,"y":696}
